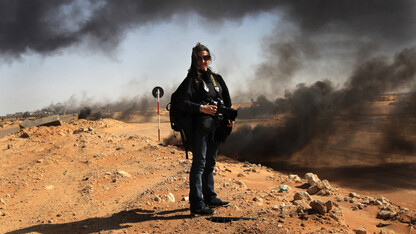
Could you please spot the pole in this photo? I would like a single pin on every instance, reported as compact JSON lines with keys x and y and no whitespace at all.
{"x":158,"y":115}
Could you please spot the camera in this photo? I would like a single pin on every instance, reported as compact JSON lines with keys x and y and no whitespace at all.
{"x":223,"y":112}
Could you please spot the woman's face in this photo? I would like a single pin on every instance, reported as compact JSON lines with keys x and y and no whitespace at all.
{"x":203,"y":59}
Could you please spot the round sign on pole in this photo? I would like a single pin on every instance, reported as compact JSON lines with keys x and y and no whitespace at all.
{"x":158,"y":93}
{"x":154,"y":92}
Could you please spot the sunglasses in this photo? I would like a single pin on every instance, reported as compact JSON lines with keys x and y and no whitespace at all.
{"x":204,"y":58}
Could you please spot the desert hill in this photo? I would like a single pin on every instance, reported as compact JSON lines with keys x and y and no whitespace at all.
{"x":108,"y":176}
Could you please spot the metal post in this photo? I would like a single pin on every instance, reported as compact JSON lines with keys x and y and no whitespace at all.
{"x":158,"y":115}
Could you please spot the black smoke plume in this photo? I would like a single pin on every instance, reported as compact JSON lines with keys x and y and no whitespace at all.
{"x":311,"y":111}
{"x":124,"y":109}
{"x":48,"y":26}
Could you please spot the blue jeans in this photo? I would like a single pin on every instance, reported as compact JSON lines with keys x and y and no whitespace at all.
{"x":201,"y":177}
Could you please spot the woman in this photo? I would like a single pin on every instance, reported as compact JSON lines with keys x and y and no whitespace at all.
{"x":199,"y":95}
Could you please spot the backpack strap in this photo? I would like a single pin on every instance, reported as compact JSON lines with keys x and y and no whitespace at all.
{"x":183,"y":137}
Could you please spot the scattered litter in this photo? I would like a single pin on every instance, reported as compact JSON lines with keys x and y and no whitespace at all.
{"x":284,"y":188}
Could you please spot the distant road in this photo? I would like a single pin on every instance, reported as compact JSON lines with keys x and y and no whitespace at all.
{"x":4,"y":132}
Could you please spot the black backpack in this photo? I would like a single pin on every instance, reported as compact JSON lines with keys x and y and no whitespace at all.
{"x":180,"y":121}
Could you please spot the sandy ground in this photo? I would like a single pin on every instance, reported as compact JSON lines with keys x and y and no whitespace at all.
{"x":108,"y":176}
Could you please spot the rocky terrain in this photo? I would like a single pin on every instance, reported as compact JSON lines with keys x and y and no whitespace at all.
{"x":108,"y":176}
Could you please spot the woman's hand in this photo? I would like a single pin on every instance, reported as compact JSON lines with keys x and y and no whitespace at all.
{"x":209,"y":109}
{"x":230,"y":123}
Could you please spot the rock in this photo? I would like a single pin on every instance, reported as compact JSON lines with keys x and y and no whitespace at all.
{"x":185,"y":199}
{"x":357,"y":205}
{"x":404,"y":218}
{"x":302,"y":195}
{"x":49,"y":187}
{"x":386,"y":231}
{"x":257,"y":199}
{"x":318,"y":206}
{"x":302,"y":205}
{"x":171,"y":197}
{"x":360,"y":231}
{"x":24,"y":135}
{"x":337,"y":215}
{"x":241,"y":175}
{"x":329,"y":205}
{"x":383,"y":201}
{"x":312,"y":178}
{"x":2,"y":201}
{"x":354,"y":195}
{"x":157,"y":199}
{"x":79,"y":130}
{"x":275,"y":207}
{"x":367,"y":201}
{"x":314,"y":189}
{"x":386,"y":214}
{"x":295,"y":178}
{"x":383,"y":224}
{"x":123,"y":173}
{"x":240,"y":183}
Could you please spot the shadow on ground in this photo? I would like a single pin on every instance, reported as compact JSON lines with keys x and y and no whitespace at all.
{"x":115,"y":222}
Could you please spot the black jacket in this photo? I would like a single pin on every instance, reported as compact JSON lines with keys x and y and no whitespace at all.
{"x":192,"y":95}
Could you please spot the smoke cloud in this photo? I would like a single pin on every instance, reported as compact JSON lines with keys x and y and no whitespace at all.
{"x":124,"y":109}
{"x":48,"y":26}
{"x":312,"y":111}
{"x":309,"y":35}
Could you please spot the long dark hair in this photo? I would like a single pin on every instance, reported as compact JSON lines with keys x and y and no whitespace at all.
{"x":193,"y":70}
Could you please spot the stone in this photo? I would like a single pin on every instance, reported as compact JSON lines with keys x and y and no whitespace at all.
{"x":24,"y":135}
{"x":312,"y":178}
{"x":240,"y":183}
{"x":383,"y":224}
{"x":49,"y":187}
{"x":171,"y":197}
{"x":302,"y":195}
{"x":314,"y":189}
{"x":386,"y":214}
{"x":337,"y":215}
{"x":257,"y":199}
{"x":329,"y":205}
{"x":383,"y":200}
{"x":295,"y":178}
{"x":318,"y":206}
{"x":386,"y":231}
{"x":302,"y":205}
{"x":241,"y":175}
{"x":52,"y":120}
{"x":357,"y":205}
{"x":123,"y":173}
{"x":354,"y":195}
{"x":360,"y":231}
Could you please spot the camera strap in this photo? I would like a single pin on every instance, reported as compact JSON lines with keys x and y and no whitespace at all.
{"x":217,"y":89}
